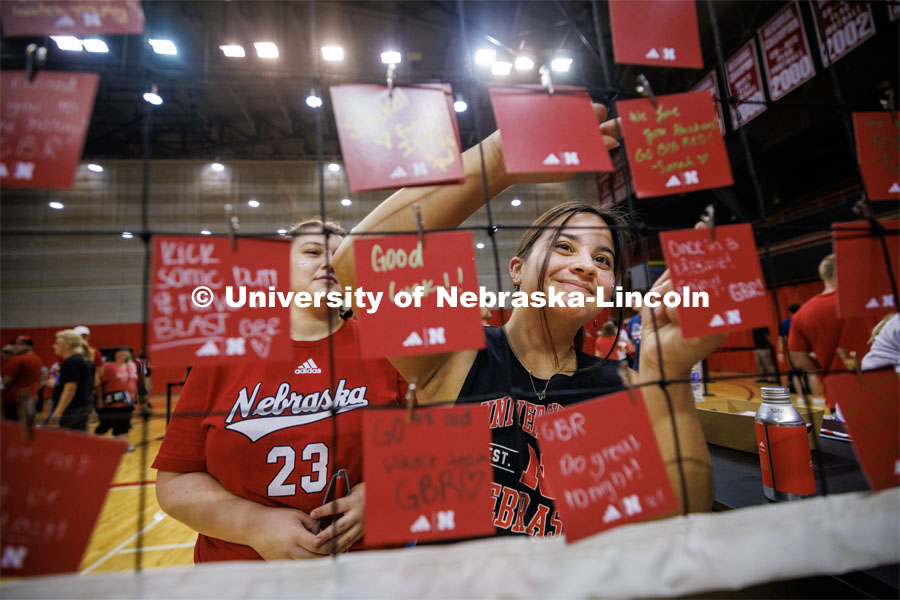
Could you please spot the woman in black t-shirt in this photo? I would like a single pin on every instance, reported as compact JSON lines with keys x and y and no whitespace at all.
{"x":73,"y":394}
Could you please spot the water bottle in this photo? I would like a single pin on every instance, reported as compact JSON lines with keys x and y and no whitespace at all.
{"x":697,"y":382}
{"x":783,"y":442}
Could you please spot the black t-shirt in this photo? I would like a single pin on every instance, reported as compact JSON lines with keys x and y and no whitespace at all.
{"x":761,"y":337}
{"x":499,"y":381}
{"x":76,"y":368}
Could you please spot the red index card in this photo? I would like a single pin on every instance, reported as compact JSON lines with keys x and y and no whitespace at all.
{"x":549,"y":132}
{"x":602,"y":461}
{"x":675,"y":147}
{"x":786,"y":54}
{"x":201,"y":310}
{"x":878,"y":152}
{"x":53,"y":489}
{"x":745,"y":83}
{"x":64,"y":17}
{"x":404,"y":138}
{"x":429,"y":479}
{"x":846,"y":24}
{"x":872,"y":412}
{"x":445,"y":319}
{"x":863,"y":285}
{"x":43,"y":125}
{"x":727,"y":269}
{"x":662,"y":33}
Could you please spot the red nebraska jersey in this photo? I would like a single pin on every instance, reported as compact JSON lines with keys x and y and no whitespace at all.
{"x":266,"y":432}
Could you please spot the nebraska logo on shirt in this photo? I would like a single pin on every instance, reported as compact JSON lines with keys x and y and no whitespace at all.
{"x":288,"y":408}
{"x":308,"y":367}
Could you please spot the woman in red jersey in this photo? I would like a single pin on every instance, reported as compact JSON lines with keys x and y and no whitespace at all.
{"x":253,"y":449}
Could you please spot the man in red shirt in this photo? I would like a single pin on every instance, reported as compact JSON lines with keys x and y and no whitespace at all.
{"x":21,"y":378}
{"x":816,"y":328}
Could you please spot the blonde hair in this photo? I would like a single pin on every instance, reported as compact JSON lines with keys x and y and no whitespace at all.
{"x":71,"y":340}
{"x":826,"y":268}
{"x":316,"y":226}
{"x":880,"y":325}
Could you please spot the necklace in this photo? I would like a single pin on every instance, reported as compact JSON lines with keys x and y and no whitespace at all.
{"x":543,"y":393}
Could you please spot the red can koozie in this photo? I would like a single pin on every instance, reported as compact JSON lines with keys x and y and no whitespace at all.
{"x":786,"y":449}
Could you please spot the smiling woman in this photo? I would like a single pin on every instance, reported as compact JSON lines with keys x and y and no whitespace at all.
{"x":534,"y":364}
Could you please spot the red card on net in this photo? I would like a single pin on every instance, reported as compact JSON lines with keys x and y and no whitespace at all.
{"x":662,"y":33}
{"x":446,"y":319}
{"x":549,"y":132}
{"x":727,"y":269}
{"x":403,"y":138}
{"x":429,"y":479}
{"x":864,"y":288}
{"x":872,"y":411}
{"x":199,"y":315}
{"x":603,"y":464}
{"x":878,"y":152}
{"x":675,"y":147}
{"x":54,"y":485}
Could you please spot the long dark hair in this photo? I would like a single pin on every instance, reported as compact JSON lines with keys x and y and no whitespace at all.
{"x":617,"y":221}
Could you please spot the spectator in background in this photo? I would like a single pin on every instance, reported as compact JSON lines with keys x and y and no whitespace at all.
{"x":816,"y":329}
{"x":117,"y":404}
{"x":48,"y":384}
{"x":633,"y":327}
{"x":93,"y":356}
{"x":73,"y":394}
{"x":796,"y":377}
{"x":763,"y":352}
{"x":21,"y":379}
{"x":885,"y":341}
{"x":132,"y":367}
{"x":8,"y":352}
{"x":607,"y":340}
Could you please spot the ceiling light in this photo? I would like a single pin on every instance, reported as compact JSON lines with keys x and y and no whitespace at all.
{"x":67,"y":42}
{"x":232,"y":51}
{"x":390,"y":58}
{"x":485,"y":57}
{"x":561,"y":64}
{"x":334,"y":167}
{"x":313,"y":100}
{"x":346,"y":202}
{"x":95,"y":168}
{"x":153,"y":98}
{"x":127,"y":235}
{"x":480,"y":245}
{"x":57,"y":205}
{"x":460,"y":106}
{"x":168,"y":47}
{"x":205,"y":232}
{"x":217,"y":167}
{"x":332,"y":53}
{"x":282,"y":232}
{"x":501,"y":68}
{"x":253,"y":203}
{"x":523,"y":63}
{"x":515,"y":202}
{"x":95,"y":45}
{"x":266,"y":49}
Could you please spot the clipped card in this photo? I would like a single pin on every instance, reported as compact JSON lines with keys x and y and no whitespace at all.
{"x":64,"y":17}
{"x":745,"y":84}
{"x":726,"y":269}
{"x":44,"y":126}
{"x":403,"y":138}
{"x":675,"y":147}
{"x":428,"y":479}
{"x":212,"y":305}
{"x":549,"y":132}
{"x":872,"y":411}
{"x":603,"y":464}
{"x":661,"y":33}
{"x":878,"y":152}
{"x":427,"y":294}
{"x":54,"y":485}
{"x":862,"y":277}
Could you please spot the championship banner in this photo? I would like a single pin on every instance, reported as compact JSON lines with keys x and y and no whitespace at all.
{"x":601,"y":460}
{"x":67,"y":17}
{"x":43,"y":125}
{"x":212,"y":305}
{"x":727,"y":269}
{"x":429,"y":477}
{"x":405,"y":137}
{"x":786,"y":55}
{"x":549,"y":132}
{"x":862,"y":277}
{"x":54,"y":485}
{"x":676,"y":146}
{"x":661,"y":33}
{"x":711,"y":85}
{"x":745,"y":83}
{"x":846,"y":24}
{"x":421,"y":297}
{"x":878,"y":152}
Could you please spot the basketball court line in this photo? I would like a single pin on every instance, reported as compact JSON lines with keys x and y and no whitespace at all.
{"x":157,"y":519}
{"x":162,"y":547}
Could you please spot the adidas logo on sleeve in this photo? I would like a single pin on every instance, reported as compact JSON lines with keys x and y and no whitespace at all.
{"x":307,"y":368}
